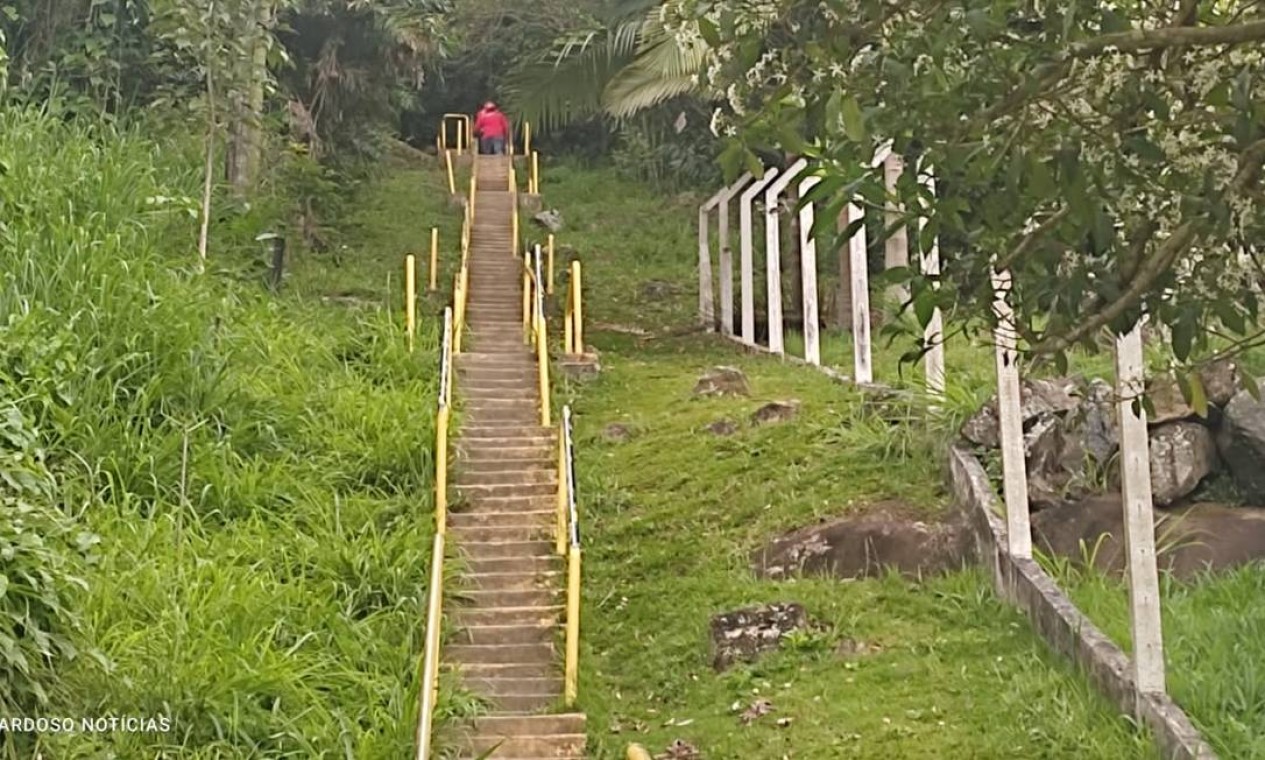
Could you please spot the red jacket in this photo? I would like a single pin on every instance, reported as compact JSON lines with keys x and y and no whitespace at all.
{"x":491,"y":124}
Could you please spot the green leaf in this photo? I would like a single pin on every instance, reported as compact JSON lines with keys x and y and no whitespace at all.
{"x":709,"y":32}
{"x":853,"y":119}
{"x":925,"y":306}
{"x":1198,"y":399}
{"x":1183,"y":337}
{"x":753,"y":163}
{"x":1249,"y":384}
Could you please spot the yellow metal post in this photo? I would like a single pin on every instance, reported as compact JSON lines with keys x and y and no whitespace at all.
{"x":577,"y":313}
{"x":452,"y":176}
{"x":638,"y":752}
{"x":434,"y":258}
{"x":526,"y":138}
{"x":459,"y":302}
{"x":568,"y":331}
{"x":572,"y":673}
{"x":535,"y":173}
{"x":563,"y":485}
{"x":441,"y":471}
{"x":549,"y":267}
{"x":526,"y":306}
{"x":410,"y":298}
{"x":542,"y":362}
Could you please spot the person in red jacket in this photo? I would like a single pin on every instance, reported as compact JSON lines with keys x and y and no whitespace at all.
{"x":492,"y":128}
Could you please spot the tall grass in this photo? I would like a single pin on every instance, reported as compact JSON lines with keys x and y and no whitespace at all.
{"x":241,"y":483}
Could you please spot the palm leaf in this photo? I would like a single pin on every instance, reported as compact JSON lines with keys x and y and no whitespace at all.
{"x":663,"y":69}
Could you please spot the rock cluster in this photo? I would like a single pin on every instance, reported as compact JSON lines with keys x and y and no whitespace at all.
{"x":1071,"y":437}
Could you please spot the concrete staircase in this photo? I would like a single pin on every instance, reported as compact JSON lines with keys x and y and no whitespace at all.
{"x":510,"y":621}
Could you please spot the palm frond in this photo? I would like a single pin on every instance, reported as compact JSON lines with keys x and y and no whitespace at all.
{"x":663,"y":69}
{"x":567,"y":84}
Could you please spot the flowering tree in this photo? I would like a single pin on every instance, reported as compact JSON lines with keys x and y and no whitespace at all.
{"x":1108,"y":154}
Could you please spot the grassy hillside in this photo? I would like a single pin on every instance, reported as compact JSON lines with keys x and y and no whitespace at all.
{"x":241,"y":483}
{"x":672,"y":515}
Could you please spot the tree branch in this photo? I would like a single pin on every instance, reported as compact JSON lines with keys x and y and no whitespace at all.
{"x":1182,"y":238}
{"x":1031,"y":238}
{"x":1151,"y":39}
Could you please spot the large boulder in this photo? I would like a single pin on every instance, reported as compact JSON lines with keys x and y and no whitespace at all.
{"x":1241,"y":441}
{"x":1038,"y":398}
{"x":1221,"y":381}
{"x":1096,"y":420}
{"x":1167,"y":401}
{"x":1182,"y":454}
{"x":550,"y":220}
{"x":743,"y":635}
{"x":1055,"y":461}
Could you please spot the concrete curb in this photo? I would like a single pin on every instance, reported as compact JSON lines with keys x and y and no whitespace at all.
{"x":1056,"y":619}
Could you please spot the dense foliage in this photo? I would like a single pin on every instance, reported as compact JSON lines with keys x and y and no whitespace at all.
{"x":1107,"y":154}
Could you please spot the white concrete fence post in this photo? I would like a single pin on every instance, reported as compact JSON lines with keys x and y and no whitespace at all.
{"x":808,"y":270}
{"x":863,"y":369}
{"x":747,"y":266}
{"x":721,"y":201}
{"x":933,"y":335}
{"x":1139,"y":521}
{"x":1010,"y":422}
{"x":773,"y":252}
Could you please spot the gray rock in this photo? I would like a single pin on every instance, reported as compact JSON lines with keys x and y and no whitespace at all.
{"x":1166,"y":398}
{"x":1037,"y":398}
{"x":1241,"y":441}
{"x":1096,"y":419}
{"x":617,"y":432}
{"x":775,"y":411}
{"x":722,"y":381}
{"x":722,"y":428}
{"x":743,"y":635}
{"x":1221,"y":381}
{"x":1182,"y":455}
{"x":1055,"y":461}
{"x":550,"y":220}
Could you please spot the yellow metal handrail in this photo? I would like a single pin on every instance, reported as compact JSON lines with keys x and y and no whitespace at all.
{"x":571,"y":522}
{"x":573,"y":321}
{"x":464,"y":137}
{"x":434,"y":605}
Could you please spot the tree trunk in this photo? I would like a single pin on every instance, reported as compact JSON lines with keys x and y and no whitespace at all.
{"x":245,"y":153}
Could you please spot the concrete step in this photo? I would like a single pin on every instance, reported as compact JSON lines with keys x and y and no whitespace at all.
{"x":504,"y":463}
{"x":531,"y":581}
{"x":533,"y":503}
{"x":523,"y":475}
{"x":524,"y":433}
{"x":518,"y":745}
{"x":519,"y":704}
{"x":545,"y":563}
{"x":504,"y":490}
{"x":493,"y":549}
{"x":507,"y":634}
{"x":506,"y":395}
{"x":477,"y":598}
{"x":538,"y":616}
{"x":491,"y":459}
{"x":468,"y":534}
{"x":492,"y":401}
{"x":496,"y":687}
{"x":499,"y":385}
{"x":490,"y":519}
{"x":496,"y":359}
{"x":532,"y":725}
{"x":501,"y":653}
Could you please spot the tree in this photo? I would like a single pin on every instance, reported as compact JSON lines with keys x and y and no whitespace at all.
{"x":1109,"y":155}
{"x":618,"y":66}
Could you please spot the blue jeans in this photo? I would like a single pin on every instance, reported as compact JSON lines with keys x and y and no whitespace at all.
{"x":493,"y":145}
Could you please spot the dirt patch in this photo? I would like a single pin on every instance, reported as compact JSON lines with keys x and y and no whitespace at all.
{"x":887,"y":536}
{"x":1188,"y":540}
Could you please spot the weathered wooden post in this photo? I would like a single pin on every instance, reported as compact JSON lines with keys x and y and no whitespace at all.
{"x":1139,"y":521}
{"x":808,"y":274}
{"x":747,"y":273}
{"x":773,"y":252}
{"x":1010,"y":421}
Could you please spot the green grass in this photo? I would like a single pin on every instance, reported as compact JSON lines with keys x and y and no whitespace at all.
{"x":671,"y":516}
{"x":247,"y":477}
